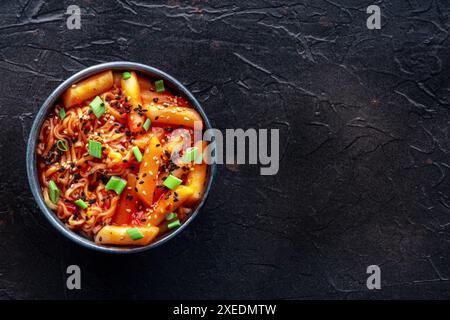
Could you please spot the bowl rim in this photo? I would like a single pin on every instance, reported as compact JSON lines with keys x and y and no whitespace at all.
{"x":31,"y":163}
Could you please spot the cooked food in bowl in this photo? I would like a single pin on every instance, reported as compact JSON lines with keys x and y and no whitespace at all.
{"x":117,"y":159}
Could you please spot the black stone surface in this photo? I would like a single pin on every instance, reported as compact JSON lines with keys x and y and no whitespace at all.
{"x":364,"y":122}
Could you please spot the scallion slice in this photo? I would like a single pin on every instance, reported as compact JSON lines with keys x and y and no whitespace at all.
{"x":147,"y":124}
{"x":95,"y":149}
{"x":159,"y":86}
{"x":174,"y":224}
{"x":172,"y":182}
{"x":62,"y":113}
{"x":126,"y":75}
{"x":190,"y":155}
{"x":54,"y":191}
{"x":117,"y":184}
{"x":137,"y":153}
{"x":171,"y":216}
{"x":135,"y":233}
{"x":97,"y":106}
{"x":62,"y":145}
{"x":81,"y":204}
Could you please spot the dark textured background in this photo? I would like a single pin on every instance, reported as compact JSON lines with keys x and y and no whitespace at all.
{"x":364,"y":120}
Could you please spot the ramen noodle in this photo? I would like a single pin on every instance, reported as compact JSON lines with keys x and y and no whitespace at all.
{"x":117,"y":160}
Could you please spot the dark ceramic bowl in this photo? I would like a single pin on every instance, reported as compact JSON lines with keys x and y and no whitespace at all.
{"x":32,"y":171}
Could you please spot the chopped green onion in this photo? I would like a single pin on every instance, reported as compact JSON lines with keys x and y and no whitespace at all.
{"x":135,"y":233}
{"x":172,"y":182}
{"x":126,"y":75}
{"x":62,"y":113}
{"x":171,"y":216}
{"x":147,"y":124}
{"x":62,"y":145}
{"x":97,"y":106}
{"x":95,"y":149}
{"x":174,"y":224}
{"x":159,"y":85}
{"x":81,"y":204}
{"x":190,"y":155}
{"x":117,"y":184}
{"x":54,"y":191}
{"x":137,"y":153}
